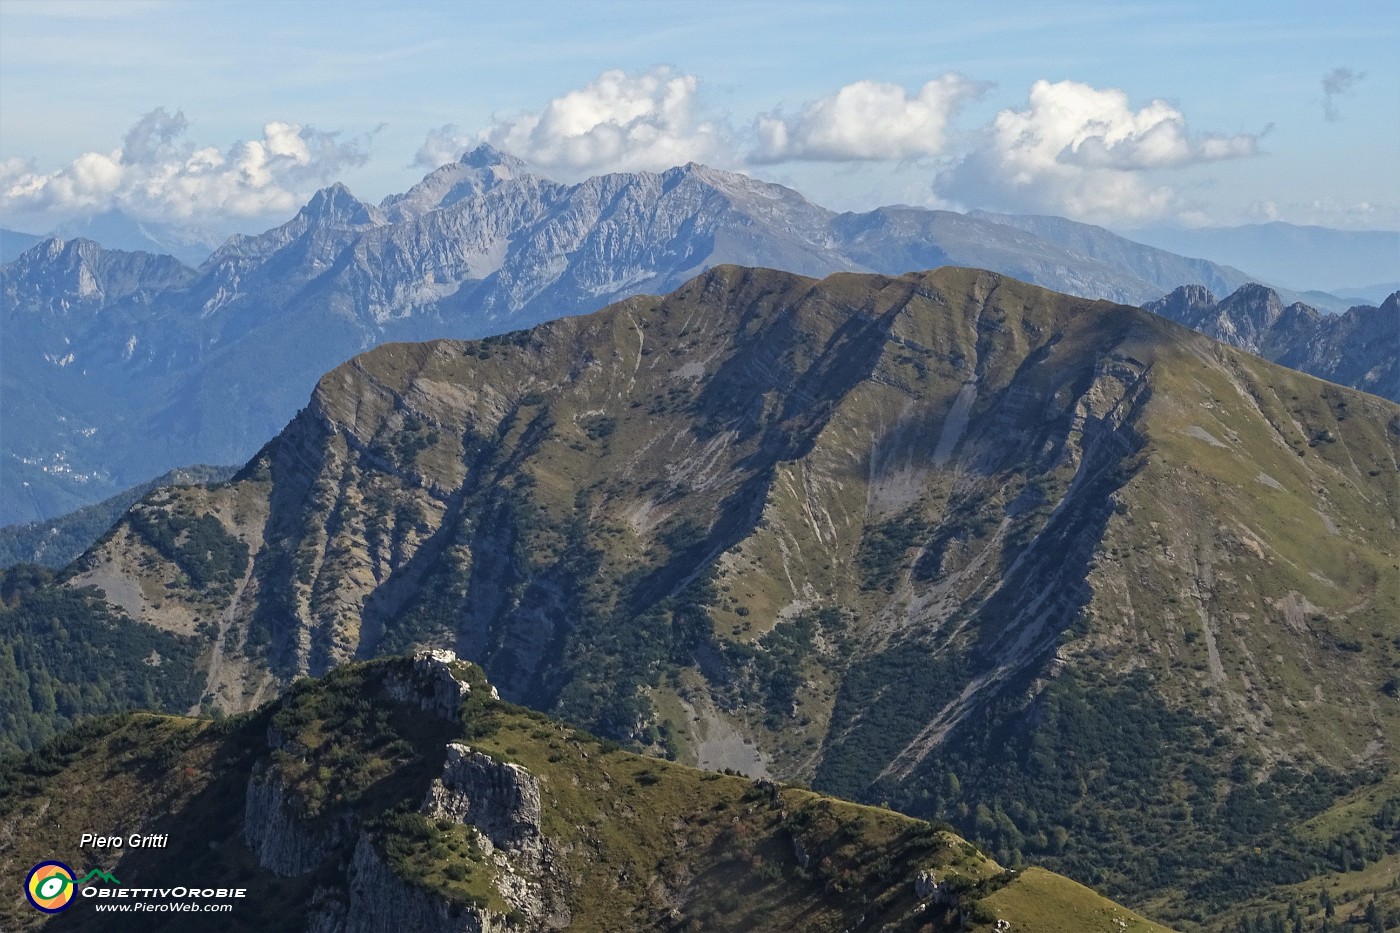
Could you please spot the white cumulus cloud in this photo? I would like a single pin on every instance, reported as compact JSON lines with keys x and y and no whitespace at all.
{"x":155,"y":174}
{"x":443,"y":145}
{"x":1084,"y":152}
{"x":866,"y":121}
{"x":619,"y":123}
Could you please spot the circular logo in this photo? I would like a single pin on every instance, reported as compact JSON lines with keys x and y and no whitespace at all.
{"x":49,"y":886}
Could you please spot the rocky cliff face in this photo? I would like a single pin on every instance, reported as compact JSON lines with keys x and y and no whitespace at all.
{"x":502,"y":801}
{"x":63,"y":277}
{"x":379,"y":901}
{"x":284,"y":843}
{"x":433,"y":687}
{"x":1360,"y":348}
{"x":498,"y":803}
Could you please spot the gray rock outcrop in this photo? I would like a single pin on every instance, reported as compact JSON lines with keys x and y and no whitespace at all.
{"x":379,"y":901}
{"x":502,"y":801}
{"x":284,"y":843}
{"x":432,"y":687}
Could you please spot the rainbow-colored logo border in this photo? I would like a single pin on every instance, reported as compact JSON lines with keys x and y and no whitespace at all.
{"x":44,"y":872}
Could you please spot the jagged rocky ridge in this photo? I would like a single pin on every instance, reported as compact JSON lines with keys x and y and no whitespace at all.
{"x":118,"y":366}
{"x":375,"y":803}
{"x":1360,"y":348}
{"x":722,"y":523}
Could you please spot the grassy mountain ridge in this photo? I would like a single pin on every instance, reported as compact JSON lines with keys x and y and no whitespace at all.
{"x":604,"y":839}
{"x":1060,"y":571}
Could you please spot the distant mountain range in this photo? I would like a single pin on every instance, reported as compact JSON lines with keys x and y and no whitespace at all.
{"x":117,"y":230}
{"x":118,"y":366}
{"x":1342,"y":262}
{"x":1360,"y":348}
{"x":1371,"y":294}
{"x":13,"y":243}
{"x":1153,"y":264}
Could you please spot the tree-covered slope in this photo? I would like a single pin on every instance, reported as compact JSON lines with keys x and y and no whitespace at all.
{"x":67,"y":655}
{"x":57,"y":542}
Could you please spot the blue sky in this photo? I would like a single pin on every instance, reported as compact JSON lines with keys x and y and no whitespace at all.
{"x":230,"y":114}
